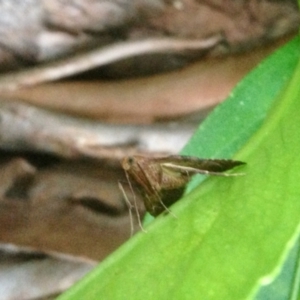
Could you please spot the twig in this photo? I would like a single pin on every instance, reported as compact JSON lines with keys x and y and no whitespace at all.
{"x":25,"y":127}
{"x":100,"y":57}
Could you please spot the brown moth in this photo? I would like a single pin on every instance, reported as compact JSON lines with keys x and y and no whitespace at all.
{"x":161,"y":180}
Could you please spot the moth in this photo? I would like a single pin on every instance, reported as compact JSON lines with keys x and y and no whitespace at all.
{"x":161,"y":180}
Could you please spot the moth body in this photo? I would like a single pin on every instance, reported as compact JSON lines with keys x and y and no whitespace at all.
{"x":162,"y":180}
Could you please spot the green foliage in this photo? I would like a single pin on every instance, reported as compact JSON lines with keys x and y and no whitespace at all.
{"x":232,"y":234}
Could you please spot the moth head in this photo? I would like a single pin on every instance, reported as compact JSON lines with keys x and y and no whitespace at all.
{"x":127,"y":162}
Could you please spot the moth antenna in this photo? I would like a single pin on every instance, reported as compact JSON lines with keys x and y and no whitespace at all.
{"x":199,"y":171}
{"x":135,"y":203}
{"x":129,"y":205}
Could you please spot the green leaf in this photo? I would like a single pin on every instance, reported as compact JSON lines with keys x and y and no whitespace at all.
{"x":287,"y":284}
{"x":231,"y":234}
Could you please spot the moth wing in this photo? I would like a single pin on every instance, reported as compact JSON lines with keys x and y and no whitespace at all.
{"x":143,"y":181}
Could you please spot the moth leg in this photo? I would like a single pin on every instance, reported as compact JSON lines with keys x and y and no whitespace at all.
{"x":129,"y":205}
{"x":167,"y":209}
{"x":135,"y":203}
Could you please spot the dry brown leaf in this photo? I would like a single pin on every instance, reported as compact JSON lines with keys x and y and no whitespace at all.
{"x":26,"y":273}
{"x":28,"y":128}
{"x":72,"y":206}
{"x":196,"y":88}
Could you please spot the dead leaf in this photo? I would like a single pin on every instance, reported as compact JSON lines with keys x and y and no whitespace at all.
{"x":26,"y":273}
